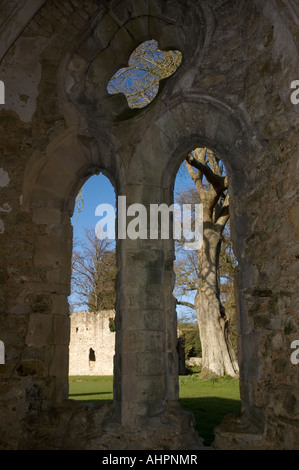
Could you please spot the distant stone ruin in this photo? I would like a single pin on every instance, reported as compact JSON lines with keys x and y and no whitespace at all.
{"x":92,"y":343}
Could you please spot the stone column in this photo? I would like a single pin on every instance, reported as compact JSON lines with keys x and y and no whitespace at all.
{"x":140,"y":362}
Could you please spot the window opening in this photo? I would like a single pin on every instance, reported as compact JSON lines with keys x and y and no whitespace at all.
{"x":92,"y":299}
{"x":112,"y":324}
{"x":92,"y":356}
{"x":202,"y":179}
{"x":147,"y":65}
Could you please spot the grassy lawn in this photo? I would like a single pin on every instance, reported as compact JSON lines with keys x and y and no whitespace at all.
{"x":209,"y":400}
{"x":91,"y":388}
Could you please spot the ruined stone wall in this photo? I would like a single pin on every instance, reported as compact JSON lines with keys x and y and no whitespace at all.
{"x":59,"y":126}
{"x":92,"y":343}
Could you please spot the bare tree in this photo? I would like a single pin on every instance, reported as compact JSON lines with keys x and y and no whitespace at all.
{"x":187,"y":275}
{"x":93,"y":273}
{"x":211,"y":182}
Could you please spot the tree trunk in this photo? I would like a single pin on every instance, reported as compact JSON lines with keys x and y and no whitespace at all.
{"x":218,"y":356}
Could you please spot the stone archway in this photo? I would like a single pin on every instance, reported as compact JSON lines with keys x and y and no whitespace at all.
{"x":146,"y":321}
{"x":49,"y":191}
{"x":165,"y":144}
{"x":141,"y":361}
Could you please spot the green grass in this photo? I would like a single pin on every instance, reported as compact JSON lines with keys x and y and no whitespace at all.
{"x":208,"y":399}
{"x":91,"y":388}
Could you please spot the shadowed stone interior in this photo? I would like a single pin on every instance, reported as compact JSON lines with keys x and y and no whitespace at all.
{"x":59,"y":126}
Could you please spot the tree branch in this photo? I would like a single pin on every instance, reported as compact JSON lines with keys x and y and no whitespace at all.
{"x":218,"y":182}
{"x":224,"y":213}
{"x":197,"y":179}
{"x":186,"y":304}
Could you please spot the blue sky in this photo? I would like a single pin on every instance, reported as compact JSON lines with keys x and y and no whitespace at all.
{"x":97,"y":190}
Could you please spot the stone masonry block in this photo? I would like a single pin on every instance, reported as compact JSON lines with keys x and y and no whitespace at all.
{"x":40,"y":330}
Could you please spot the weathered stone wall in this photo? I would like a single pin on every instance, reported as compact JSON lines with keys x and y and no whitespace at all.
{"x":59,"y":126}
{"x":91,"y":331}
